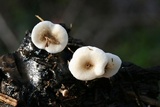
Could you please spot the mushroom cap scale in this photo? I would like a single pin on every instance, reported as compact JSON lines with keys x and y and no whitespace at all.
{"x":51,"y":37}
{"x":88,"y":63}
{"x":114,"y":64}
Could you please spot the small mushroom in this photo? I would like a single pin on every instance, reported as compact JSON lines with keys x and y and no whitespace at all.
{"x":64,"y":92}
{"x":88,"y":63}
{"x":51,"y":37}
{"x":113,"y":65}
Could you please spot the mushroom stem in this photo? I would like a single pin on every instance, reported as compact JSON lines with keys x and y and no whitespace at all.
{"x":88,"y":65}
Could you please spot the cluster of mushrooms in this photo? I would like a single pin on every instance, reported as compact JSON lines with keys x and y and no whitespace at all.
{"x":87,"y":62}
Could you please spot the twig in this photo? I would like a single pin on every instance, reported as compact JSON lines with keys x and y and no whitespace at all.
{"x":138,"y":98}
{"x":146,"y":99}
{"x":39,"y":18}
{"x":8,"y":100}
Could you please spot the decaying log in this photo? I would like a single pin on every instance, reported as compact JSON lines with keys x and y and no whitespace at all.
{"x":31,"y":77}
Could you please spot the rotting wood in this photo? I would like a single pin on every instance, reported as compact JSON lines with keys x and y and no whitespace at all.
{"x":34,"y":77}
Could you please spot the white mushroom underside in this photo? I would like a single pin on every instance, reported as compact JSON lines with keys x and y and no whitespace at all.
{"x":57,"y":31}
{"x":88,"y":63}
{"x":114,"y":64}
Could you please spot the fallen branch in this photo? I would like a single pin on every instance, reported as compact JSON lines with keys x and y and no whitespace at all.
{"x":148,"y":100}
{"x":8,"y":100}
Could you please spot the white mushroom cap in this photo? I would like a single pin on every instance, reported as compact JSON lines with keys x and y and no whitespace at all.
{"x":113,"y":65}
{"x":88,"y":63}
{"x":51,"y":37}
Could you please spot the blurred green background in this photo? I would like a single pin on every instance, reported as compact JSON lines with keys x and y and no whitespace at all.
{"x":128,"y":28}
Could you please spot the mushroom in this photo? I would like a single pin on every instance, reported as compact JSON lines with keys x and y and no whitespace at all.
{"x":48,"y":36}
{"x":64,"y":92}
{"x":113,"y":65}
{"x":88,"y":63}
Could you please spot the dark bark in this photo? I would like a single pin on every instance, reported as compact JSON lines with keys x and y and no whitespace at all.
{"x":36,"y":78}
